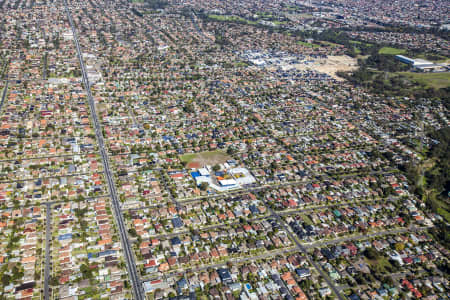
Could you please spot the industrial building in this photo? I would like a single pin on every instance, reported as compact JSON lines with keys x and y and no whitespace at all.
{"x":420,"y":64}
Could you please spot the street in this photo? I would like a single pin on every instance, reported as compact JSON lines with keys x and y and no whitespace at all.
{"x":130,"y":263}
{"x":48,"y":237}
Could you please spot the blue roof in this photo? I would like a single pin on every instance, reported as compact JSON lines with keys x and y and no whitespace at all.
{"x":66,"y":236}
{"x":175,"y":241}
{"x":195,"y":174}
{"x":182,"y":283}
{"x":382,"y":292}
{"x":224,"y":274}
{"x":253,"y":209}
{"x":106,"y":253}
{"x":176,"y":222}
{"x":301,"y":272}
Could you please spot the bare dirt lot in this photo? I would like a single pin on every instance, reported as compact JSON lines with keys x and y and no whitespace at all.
{"x":210,"y":158}
{"x":330,"y":65}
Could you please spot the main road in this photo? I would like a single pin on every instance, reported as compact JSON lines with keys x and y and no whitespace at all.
{"x":48,"y":235}
{"x":131,"y":265}
{"x":5,"y":88}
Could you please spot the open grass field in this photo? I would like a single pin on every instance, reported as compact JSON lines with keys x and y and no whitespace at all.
{"x":381,"y":264}
{"x":227,"y":18}
{"x":241,"y":64}
{"x":279,"y":22}
{"x":391,"y":51}
{"x":306,"y":219}
{"x":444,"y":213}
{"x":359,"y":43}
{"x":308,"y":44}
{"x":201,"y":159}
{"x":434,"y":80}
{"x":326,"y":43}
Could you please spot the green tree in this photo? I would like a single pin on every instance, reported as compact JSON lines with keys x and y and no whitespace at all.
{"x":399,"y":246}
{"x":6,"y":279}
{"x":86,"y":271}
{"x":132,"y":232}
{"x":204,"y":186}
{"x":371,"y":253}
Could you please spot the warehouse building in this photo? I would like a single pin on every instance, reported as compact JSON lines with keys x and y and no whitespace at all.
{"x":420,"y":64}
